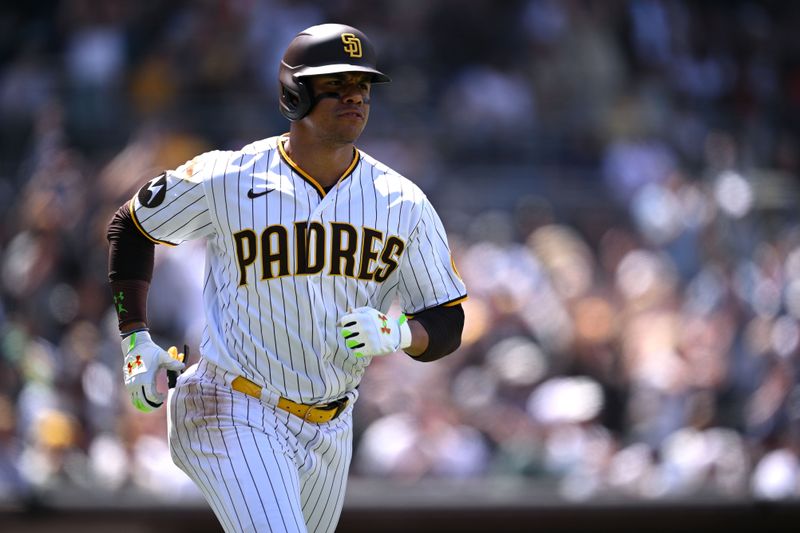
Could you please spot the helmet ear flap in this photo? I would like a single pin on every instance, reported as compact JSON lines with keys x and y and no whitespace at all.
{"x":296,"y":103}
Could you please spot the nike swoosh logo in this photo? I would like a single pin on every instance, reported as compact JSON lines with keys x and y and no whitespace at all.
{"x":253,"y":194}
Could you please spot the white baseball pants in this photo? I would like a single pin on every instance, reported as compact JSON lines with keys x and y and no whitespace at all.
{"x":260,"y":468}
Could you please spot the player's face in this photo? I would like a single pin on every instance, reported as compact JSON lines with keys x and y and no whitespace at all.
{"x":342,"y":112}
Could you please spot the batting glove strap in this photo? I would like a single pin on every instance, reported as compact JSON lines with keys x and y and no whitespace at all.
{"x":405,"y":332}
{"x":143,"y":359}
{"x":369,"y":332}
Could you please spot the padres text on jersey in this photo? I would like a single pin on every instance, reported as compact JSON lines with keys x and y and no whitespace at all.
{"x":283,"y":257}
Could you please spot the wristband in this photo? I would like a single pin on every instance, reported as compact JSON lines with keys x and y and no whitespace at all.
{"x":127,"y":334}
{"x":405,"y":332}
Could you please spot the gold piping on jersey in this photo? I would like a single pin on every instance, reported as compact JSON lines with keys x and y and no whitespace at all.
{"x":132,"y":209}
{"x":306,"y":176}
{"x":451,"y":303}
{"x":453,"y":266}
{"x":456,"y":302}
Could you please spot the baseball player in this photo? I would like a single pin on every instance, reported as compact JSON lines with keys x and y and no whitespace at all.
{"x":308,"y":243}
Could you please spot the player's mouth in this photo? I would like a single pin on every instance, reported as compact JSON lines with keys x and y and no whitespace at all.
{"x":351,"y":113}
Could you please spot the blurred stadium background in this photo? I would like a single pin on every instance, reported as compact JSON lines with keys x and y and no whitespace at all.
{"x":620,"y":183}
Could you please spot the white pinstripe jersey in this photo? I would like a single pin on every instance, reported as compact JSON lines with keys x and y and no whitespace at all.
{"x":285,"y":259}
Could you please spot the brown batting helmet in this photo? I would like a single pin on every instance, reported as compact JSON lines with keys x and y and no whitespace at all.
{"x":322,"y":49}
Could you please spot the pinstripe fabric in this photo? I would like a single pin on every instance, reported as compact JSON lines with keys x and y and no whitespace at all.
{"x":279,"y":331}
{"x":260,"y":468}
{"x":284,"y":261}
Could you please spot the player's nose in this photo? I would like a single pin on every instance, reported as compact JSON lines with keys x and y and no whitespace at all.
{"x":354,"y":94}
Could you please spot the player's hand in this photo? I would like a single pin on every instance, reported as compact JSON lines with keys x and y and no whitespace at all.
{"x":367,"y":332}
{"x":143,"y":359}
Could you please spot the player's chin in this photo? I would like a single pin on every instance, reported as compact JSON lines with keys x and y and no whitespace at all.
{"x":350,"y":132}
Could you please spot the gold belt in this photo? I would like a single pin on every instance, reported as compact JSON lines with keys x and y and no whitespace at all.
{"x":319,"y":414}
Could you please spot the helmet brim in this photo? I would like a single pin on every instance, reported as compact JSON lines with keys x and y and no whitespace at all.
{"x":377,"y":76}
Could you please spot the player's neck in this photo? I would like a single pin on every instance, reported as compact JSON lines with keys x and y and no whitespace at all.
{"x":322,"y":161}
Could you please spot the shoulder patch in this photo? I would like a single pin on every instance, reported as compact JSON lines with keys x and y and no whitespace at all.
{"x":152,"y":194}
{"x":191,"y":170}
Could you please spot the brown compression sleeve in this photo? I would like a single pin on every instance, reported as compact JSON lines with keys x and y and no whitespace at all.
{"x":444,"y":326}
{"x":130,"y":267}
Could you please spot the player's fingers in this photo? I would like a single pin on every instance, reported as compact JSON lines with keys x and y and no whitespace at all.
{"x":151,"y":396}
{"x":139,"y":403}
{"x":174,"y":365}
{"x":353,"y":317}
{"x":348,"y":334}
{"x":169,"y":362}
{"x":346,"y":321}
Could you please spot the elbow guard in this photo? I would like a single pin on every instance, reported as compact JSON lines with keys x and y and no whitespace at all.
{"x":444,"y":326}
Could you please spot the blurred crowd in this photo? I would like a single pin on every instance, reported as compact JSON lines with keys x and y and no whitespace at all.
{"x":633,"y":326}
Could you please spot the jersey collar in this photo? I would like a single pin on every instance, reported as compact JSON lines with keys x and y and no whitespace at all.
{"x":306,"y":176}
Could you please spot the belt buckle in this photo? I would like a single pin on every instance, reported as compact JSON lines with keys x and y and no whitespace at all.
{"x":340,"y":406}
{"x":337,"y":406}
